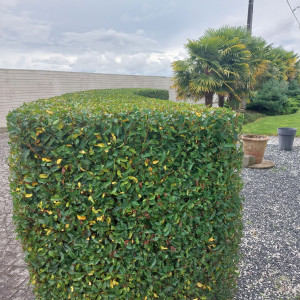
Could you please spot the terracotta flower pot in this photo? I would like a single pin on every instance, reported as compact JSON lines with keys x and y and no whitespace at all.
{"x":255,"y":145}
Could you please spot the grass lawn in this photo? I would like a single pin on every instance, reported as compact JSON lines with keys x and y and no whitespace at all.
{"x":268,"y":125}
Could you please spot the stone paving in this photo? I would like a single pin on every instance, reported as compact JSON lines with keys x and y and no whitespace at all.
{"x":13,"y":273}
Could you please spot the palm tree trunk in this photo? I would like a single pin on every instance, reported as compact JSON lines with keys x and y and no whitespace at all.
{"x":233,"y":102}
{"x":221,"y":101}
{"x":208,"y":98}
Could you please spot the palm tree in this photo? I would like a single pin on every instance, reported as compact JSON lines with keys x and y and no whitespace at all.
{"x":284,"y":65}
{"x":256,"y":61}
{"x":214,"y":64}
{"x":198,"y":76}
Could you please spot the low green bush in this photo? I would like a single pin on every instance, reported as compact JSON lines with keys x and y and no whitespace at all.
{"x":291,"y":107}
{"x":272,"y":99}
{"x":121,"y":197}
{"x":294,"y":89}
{"x":153,"y":93}
{"x":251,"y":116}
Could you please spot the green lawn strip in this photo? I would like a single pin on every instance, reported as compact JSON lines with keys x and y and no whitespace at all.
{"x":268,"y":125}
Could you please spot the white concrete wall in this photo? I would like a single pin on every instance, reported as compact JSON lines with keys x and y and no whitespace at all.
{"x":19,"y":86}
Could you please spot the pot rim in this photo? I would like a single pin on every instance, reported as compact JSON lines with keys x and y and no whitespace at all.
{"x":254,"y":137}
{"x":287,"y":128}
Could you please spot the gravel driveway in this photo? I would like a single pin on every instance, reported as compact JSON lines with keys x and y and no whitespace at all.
{"x":270,"y":265}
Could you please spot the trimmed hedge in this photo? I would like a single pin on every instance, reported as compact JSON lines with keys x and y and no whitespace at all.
{"x":153,"y":93}
{"x":118,"y":197}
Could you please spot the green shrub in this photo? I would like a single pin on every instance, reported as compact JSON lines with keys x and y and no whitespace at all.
{"x":153,"y":93}
{"x":120,"y":197}
{"x":271,"y":99}
{"x":251,"y":116}
{"x":291,"y":107}
{"x":293,"y":89}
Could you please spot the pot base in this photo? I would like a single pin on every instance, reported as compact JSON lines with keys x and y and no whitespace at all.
{"x":266,"y":164}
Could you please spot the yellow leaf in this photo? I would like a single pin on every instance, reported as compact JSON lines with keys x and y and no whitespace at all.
{"x":108,"y":220}
{"x":79,"y":184}
{"x":101,"y":145}
{"x":113,"y":136}
{"x":209,"y":288}
{"x":68,"y":145}
{"x":72,"y":289}
{"x":67,"y":226}
{"x":47,"y":231}
{"x":133,"y":178}
{"x":140,"y":196}
{"x":112,"y":283}
{"x":198,"y":114}
{"x":163,"y":248}
{"x":113,"y":183}
{"x":28,"y":195}
{"x":165,"y":168}
{"x":81,"y":217}
{"x":211,"y":239}
{"x":155,"y":162}
{"x":100,"y":218}
{"x":34,"y":184}
{"x":155,"y":296}
{"x":59,"y":161}
{"x":90,"y":283}
{"x":95,"y":211}
{"x":44,"y":175}
{"x":49,"y":112}
{"x":46,"y":159}
{"x":200,"y":285}
{"x":91,"y":273}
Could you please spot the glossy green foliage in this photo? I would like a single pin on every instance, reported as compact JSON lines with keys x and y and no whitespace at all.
{"x":121,"y":197}
{"x":153,"y":93}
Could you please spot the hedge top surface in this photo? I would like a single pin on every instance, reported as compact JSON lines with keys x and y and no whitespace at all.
{"x":109,"y":101}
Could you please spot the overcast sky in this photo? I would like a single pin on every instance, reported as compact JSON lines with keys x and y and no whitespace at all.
{"x":138,"y":37}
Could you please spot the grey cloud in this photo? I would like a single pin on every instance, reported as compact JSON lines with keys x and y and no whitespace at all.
{"x":107,"y":40}
{"x":128,"y":37}
{"x":21,"y":29}
{"x":140,"y":63}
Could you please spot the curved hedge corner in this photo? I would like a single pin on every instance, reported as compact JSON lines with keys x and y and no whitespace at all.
{"x":153,"y":93}
{"x":118,"y":197}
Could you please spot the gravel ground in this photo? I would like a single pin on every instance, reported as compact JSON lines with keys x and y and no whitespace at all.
{"x":270,"y":264}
